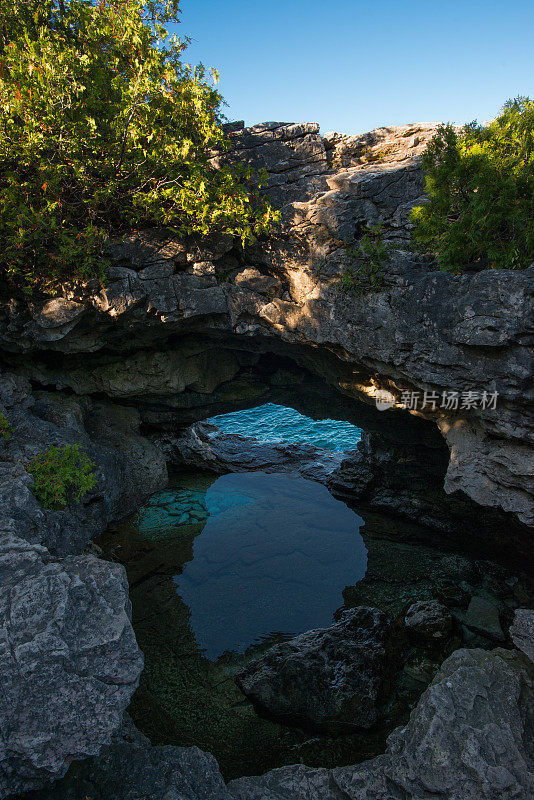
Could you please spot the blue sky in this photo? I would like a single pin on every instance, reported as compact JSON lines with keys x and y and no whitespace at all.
{"x":353,"y":66}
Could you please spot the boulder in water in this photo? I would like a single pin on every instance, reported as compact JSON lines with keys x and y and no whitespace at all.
{"x":331,"y":679}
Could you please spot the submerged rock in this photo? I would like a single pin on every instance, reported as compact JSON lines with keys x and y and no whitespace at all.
{"x":483,"y":617}
{"x":469,"y":738}
{"x":69,"y":660}
{"x":331,"y":679}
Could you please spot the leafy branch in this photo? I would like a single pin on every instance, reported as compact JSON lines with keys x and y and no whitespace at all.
{"x":105,"y":129}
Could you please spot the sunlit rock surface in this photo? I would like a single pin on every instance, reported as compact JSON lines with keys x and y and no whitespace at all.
{"x":429,"y":331}
{"x":185,"y":330}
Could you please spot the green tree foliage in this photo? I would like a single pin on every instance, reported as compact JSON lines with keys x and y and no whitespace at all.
{"x":480,"y":184}
{"x":61,"y":474}
{"x":104,"y":129}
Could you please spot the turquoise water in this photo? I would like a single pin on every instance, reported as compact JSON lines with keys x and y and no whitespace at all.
{"x":219,"y":570}
{"x":273,"y":558}
{"x":273,"y":423}
{"x":166,"y":511}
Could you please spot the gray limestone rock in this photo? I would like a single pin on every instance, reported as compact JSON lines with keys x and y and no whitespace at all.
{"x":482,"y":616}
{"x":428,"y":620}
{"x":68,"y":658}
{"x":129,"y":467}
{"x":331,"y":679}
{"x":522,"y":631}
{"x":469,"y":738}
{"x":130,"y":769}
{"x":170,"y":337}
{"x":428,"y":331}
{"x":252,"y":279}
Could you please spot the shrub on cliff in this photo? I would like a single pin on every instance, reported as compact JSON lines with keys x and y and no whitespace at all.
{"x":61,"y":474}
{"x":105,"y":129}
{"x":369,"y":257}
{"x":5,"y":428}
{"x":480,"y":184}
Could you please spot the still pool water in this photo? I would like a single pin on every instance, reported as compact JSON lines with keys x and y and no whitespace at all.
{"x":221,"y":569}
{"x":273,"y":423}
{"x":273,"y":559}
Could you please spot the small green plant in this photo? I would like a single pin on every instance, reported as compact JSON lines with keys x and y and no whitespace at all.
{"x":367,"y":275}
{"x":5,"y":428}
{"x":480,"y":186}
{"x":61,"y":474}
{"x":223,"y":275}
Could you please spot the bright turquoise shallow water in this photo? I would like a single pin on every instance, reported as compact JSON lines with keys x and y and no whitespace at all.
{"x":272,"y":423}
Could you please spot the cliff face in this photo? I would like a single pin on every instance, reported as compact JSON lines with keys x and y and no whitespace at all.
{"x":179,"y":329}
{"x":188,"y":329}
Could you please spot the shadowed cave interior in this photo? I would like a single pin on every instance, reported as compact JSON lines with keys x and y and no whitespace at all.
{"x":198,"y":618}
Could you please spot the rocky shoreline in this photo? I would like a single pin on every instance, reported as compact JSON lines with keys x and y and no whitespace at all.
{"x":185,"y":330}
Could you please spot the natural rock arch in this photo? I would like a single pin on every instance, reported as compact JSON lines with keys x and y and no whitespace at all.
{"x":170,"y":340}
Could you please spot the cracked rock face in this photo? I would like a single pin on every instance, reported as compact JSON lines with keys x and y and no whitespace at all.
{"x":428,"y":619}
{"x":130,"y":769}
{"x":68,"y":658}
{"x":428,"y":331}
{"x":128,"y":466}
{"x":69,"y":661}
{"x":469,"y":738}
{"x":522,"y":631}
{"x":179,"y":334}
{"x":331,"y":679}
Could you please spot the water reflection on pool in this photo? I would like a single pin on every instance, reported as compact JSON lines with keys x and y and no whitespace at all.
{"x":273,"y":558}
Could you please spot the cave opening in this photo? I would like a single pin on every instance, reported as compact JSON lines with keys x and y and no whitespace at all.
{"x":406,"y":542}
{"x":194,"y":550}
{"x":271,"y":423}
